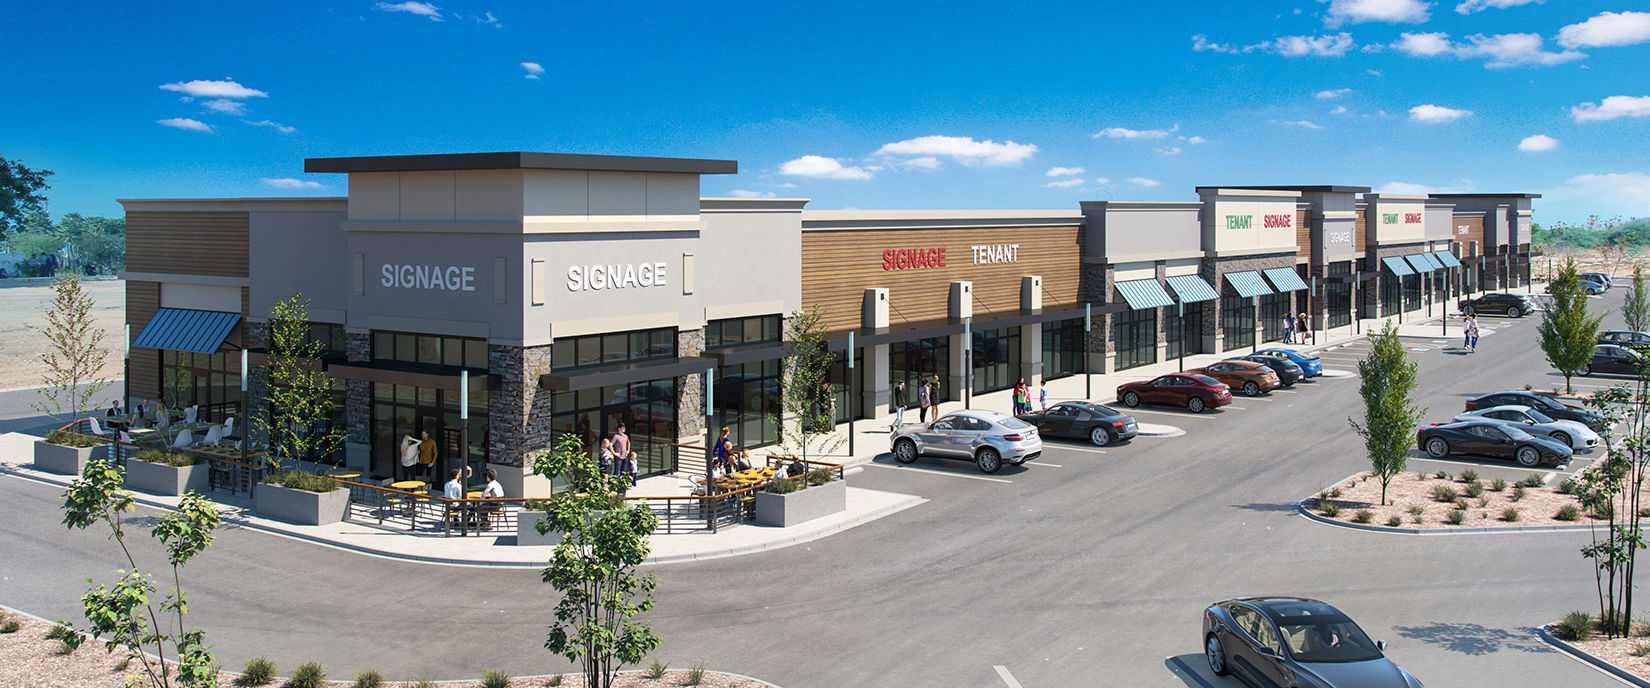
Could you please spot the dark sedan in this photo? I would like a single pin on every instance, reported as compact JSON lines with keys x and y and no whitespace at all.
{"x":1288,"y":372}
{"x":1492,"y":439}
{"x":1096,"y":423}
{"x":1513,"y":305}
{"x":1609,"y":358}
{"x":1194,"y":392}
{"x":1539,"y":402}
{"x":1293,"y":641}
{"x":1633,"y":340}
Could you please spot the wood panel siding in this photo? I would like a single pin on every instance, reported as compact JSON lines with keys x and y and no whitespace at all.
{"x":142,"y":299}
{"x":1467,"y":229}
{"x":839,"y":265}
{"x":1360,"y":231}
{"x":1303,"y":235}
{"x":194,"y":243}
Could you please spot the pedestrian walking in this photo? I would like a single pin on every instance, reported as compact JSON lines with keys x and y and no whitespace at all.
{"x":1473,"y":334}
{"x":1042,"y":393}
{"x":1302,"y":328}
{"x":925,"y":399}
{"x":899,"y":405}
{"x":1289,"y":328}
{"x":1466,"y":331}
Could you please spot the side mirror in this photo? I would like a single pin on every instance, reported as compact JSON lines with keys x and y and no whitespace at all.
{"x":1380,"y":645}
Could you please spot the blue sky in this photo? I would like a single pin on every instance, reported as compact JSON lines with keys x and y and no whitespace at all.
{"x":851,"y":104}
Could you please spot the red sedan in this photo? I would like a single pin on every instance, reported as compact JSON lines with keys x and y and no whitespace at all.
{"x":1195,"y":392}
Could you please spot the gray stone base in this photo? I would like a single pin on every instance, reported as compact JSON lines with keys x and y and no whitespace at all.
{"x":162,"y":479}
{"x":785,"y":510}
{"x":302,"y":507}
{"x":56,"y":458}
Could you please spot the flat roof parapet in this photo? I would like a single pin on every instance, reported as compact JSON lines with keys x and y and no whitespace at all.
{"x":519,"y":160}
{"x":1327,"y":188}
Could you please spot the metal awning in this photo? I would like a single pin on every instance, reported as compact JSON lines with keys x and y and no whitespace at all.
{"x":1248,"y":283}
{"x":1147,"y":293}
{"x":1285,"y":279}
{"x":449,"y":378}
{"x":182,"y":329}
{"x":623,"y":374}
{"x":1421,"y":262}
{"x":1446,"y":258}
{"x":1192,"y":289}
{"x":1397,"y":266}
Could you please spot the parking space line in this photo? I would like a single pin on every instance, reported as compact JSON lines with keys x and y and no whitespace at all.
{"x":1076,"y":448}
{"x":1041,"y":464}
{"x":1168,"y":413}
{"x":1002,"y":673}
{"x":944,"y":473}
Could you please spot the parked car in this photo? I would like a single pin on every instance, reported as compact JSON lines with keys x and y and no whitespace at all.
{"x":1195,"y":392}
{"x":1627,"y":338}
{"x":1287,"y":371}
{"x":1540,"y":402}
{"x":1096,"y":423}
{"x":1588,"y":285}
{"x":1294,"y":641}
{"x":1599,"y":277}
{"x":1512,"y":305}
{"x":1609,"y":358}
{"x":1493,"y":439}
{"x":1572,"y":434}
{"x":1312,"y":366}
{"x":987,"y":438}
{"x":1253,"y":378}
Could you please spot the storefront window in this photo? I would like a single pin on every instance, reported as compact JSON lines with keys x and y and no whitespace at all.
{"x":842,"y":403}
{"x":400,"y":411}
{"x":1338,"y":297}
{"x":736,"y":331}
{"x":920,"y":361}
{"x":996,"y":359}
{"x":1237,"y":321}
{"x":1412,"y":292}
{"x":618,"y":347}
{"x":210,"y":381}
{"x":747,"y":398}
{"x":1182,"y":331}
{"x":430,"y":349}
{"x":1134,"y":333}
{"x":1062,"y":348}
{"x":648,"y":410}
{"x":1391,"y":294}
{"x":1273,"y":309}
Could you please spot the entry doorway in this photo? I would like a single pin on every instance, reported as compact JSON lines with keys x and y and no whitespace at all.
{"x":402,"y":411}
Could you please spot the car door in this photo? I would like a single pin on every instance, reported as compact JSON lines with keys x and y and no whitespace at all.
{"x":940,"y":437}
{"x":1160,"y":391}
{"x":1496,"y":442}
{"x":970,"y":433}
{"x":1247,"y":658}
{"x":1058,"y":421}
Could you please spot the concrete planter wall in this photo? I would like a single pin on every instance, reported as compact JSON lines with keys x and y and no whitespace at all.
{"x":527,"y":532}
{"x":56,"y":458}
{"x":786,"y":510}
{"x":162,"y":479}
{"x":302,"y":507}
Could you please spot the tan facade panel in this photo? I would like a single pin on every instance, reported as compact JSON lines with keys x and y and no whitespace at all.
{"x":196,"y":243}
{"x":1469,"y":228}
{"x":142,"y":298}
{"x":839,"y":265}
{"x":1303,"y":235}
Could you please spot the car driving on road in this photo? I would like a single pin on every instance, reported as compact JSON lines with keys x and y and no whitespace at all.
{"x":1253,"y":378}
{"x":1294,"y":641}
{"x":1096,"y":423}
{"x":1511,"y":305}
{"x":987,"y":438}
{"x":1572,"y":434}
{"x":1311,"y":366}
{"x":1493,"y":439}
{"x":1193,"y":392}
{"x":1540,"y":402}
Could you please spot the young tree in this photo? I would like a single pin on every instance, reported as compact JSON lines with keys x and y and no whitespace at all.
{"x":21,"y":191}
{"x":126,"y":615}
{"x":806,"y":394}
{"x":300,"y":393}
{"x":74,"y":363}
{"x":595,"y":567}
{"x":1390,"y":415}
{"x":1568,"y":331}
{"x":1637,"y":308}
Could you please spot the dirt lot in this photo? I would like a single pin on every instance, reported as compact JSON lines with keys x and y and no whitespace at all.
{"x":23,"y":315}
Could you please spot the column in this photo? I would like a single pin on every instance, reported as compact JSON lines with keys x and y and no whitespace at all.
{"x":1031,"y":336}
{"x":962,"y":345}
{"x":873,"y":364}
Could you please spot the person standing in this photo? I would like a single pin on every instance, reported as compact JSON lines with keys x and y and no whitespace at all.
{"x":1042,"y":394}
{"x":724,"y":445}
{"x":1472,"y":330}
{"x":1302,"y":327}
{"x":1022,"y":397}
{"x":621,"y":447}
{"x":1466,"y":331}
{"x":409,"y":456}
{"x":426,"y":455}
{"x":607,"y":457}
{"x":629,"y":468}
{"x":899,"y":405}
{"x":1289,"y":328}
{"x":925,"y":399}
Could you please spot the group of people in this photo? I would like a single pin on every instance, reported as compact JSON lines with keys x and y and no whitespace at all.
{"x":726,"y":459}
{"x":1296,"y":328}
{"x":618,"y":458}
{"x":418,"y":456}
{"x":1022,"y":397}
{"x":928,"y":394}
{"x":454,"y":489}
{"x":1469,"y":332}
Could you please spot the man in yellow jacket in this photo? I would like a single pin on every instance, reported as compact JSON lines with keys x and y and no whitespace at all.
{"x":426,"y":454}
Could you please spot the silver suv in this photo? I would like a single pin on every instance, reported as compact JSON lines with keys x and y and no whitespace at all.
{"x":987,"y":438}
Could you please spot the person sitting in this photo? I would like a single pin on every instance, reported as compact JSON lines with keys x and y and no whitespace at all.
{"x":494,"y":490}
{"x":742,"y":460}
{"x":717,"y":472}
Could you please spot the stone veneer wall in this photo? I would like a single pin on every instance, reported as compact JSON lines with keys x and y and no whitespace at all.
{"x":1215,"y":269}
{"x":690,"y":389}
{"x":1095,"y":286}
{"x":358,"y":393}
{"x":518,"y":411}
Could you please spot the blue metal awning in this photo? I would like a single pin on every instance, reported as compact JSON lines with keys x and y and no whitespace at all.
{"x":1433,"y":261}
{"x":1447,"y":259}
{"x":1397,"y":266}
{"x":1248,"y":283}
{"x":1147,"y":293}
{"x":181,"y":329}
{"x":1285,"y":279}
{"x":1192,"y":289}
{"x":1419,"y":262}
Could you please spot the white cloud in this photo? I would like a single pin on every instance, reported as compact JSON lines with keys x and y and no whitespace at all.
{"x":1333,"y":93}
{"x":1062,"y":171}
{"x":1537,"y":143}
{"x":1171,"y":150}
{"x":926,"y":162}
{"x":1611,"y":108}
{"x":1144,"y":182}
{"x":1339,"y":110}
{"x":1502,"y":50}
{"x":1201,"y":44}
{"x":1331,"y":45}
{"x":489,"y":19}
{"x":185,"y":123}
{"x":1608,"y":29}
{"x":962,"y":149}
{"x":1303,"y":123}
{"x":1470,"y":6}
{"x":1386,"y":11}
{"x":226,"y":106}
{"x":422,"y":9}
{"x":1101,"y":181}
{"x":534,"y":69}
{"x":820,"y":167}
{"x":1436,"y":114}
{"x":1194,"y":140}
{"x":1124,"y":133}
{"x":1373,"y":72}
{"x":1423,"y":44}
{"x":277,"y":126}
{"x":214,"y":89}
{"x":746,"y":193}
{"x":787,"y":185}
{"x":291,"y":183}
{"x":1625,"y":194}
{"x":1065,"y":183}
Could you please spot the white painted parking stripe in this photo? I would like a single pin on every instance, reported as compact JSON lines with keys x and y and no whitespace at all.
{"x":1041,"y":464}
{"x":1002,"y":672}
{"x":1168,"y":413}
{"x":1067,"y":447}
{"x":944,"y":473}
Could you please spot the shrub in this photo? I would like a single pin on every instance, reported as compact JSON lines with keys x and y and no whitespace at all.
{"x":58,"y":632}
{"x":66,"y":647}
{"x":426,"y":683}
{"x":1604,"y":511}
{"x":1517,"y":493}
{"x":1469,"y":476}
{"x":1509,"y":514}
{"x":656,"y":669}
{"x":1475,"y":489}
{"x":309,"y":482}
{"x":308,"y":675}
{"x":820,"y":476}
{"x":10,"y":626}
{"x":1444,"y":493}
{"x":1416,"y":509}
{"x":1441,"y":475}
{"x":1644,"y":512}
{"x":1576,"y":625}
{"x":696,"y":673}
{"x":1483,"y":501}
{"x":70,"y":439}
{"x":1498,"y":485}
{"x":1364,"y":516}
{"x":1461,"y":504}
{"x":1568,"y":512}
{"x":1641,"y":650}
{"x":369,"y":679}
{"x":259,"y":671}
{"x":1567,"y":486}
{"x":1335,"y":493}
{"x":1532,"y":481}
{"x":1455,"y":516}
{"x":1394,"y":522}
{"x":785,"y":486}
{"x":495,"y":679}
{"x":1421,"y":476}
{"x":1329,"y":509}
{"x":554,"y":680}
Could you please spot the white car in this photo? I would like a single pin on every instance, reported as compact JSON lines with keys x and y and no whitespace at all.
{"x":987,"y":438}
{"x":1576,"y":435}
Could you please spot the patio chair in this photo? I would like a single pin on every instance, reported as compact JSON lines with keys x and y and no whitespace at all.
{"x":183,"y":439}
{"x":97,"y":428}
{"x":190,"y":413}
{"x":214,"y":435}
{"x":229,"y":427}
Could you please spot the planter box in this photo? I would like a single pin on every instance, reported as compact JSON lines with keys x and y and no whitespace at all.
{"x":302,"y":507}
{"x":786,"y":510}
{"x":162,"y":479}
{"x":527,"y":532}
{"x":56,"y":458}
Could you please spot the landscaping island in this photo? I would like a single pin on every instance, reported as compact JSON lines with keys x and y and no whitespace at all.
{"x":1442,"y":501}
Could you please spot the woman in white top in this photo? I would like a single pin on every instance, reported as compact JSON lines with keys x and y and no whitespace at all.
{"x":409,"y":454}
{"x":492,"y":491}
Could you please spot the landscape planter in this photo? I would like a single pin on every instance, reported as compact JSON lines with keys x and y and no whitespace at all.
{"x":56,"y":458}
{"x":785,"y":510}
{"x":301,"y":507}
{"x":165,"y":479}
{"x":527,"y":534}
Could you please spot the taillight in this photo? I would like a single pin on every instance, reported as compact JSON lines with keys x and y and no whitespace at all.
{"x":1016,"y":437}
{"x":1470,"y":405}
{"x":1119,"y":423}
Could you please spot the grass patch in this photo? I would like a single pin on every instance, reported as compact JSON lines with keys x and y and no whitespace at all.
{"x":1532,"y":481}
{"x":1444,"y":493}
{"x":168,"y":458}
{"x":1509,"y":514}
{"x":69,"y":439}
{"x":1474,"y":489}
{"x":1394,"y":522}
{"x":1517,"y":493}
{"x":368,"y":679}
{"x":495,"y":679}
{"x":299,"y":480}
{"x":1567,"y":486}
{"x":1329,"y":509}
{"x":1364,"y":516}
{"x":656,"y":669}
{"x":1576,"y":625}
{"x":308,"y":675}
{"x":1455,"y":516}
{"x":259,"y":671}
{"x":1498,"y":485}
{"x":1469,"y":476}
{"x":1441,"y":475}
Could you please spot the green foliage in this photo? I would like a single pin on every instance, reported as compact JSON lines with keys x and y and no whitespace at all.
{"x":656,"y":669}
{"x":495,"y":679}
{"x":58,"y":632}
{"x":696,"y":673}
{"x":785,"y":486}
{"x":1532,"y":481}
{"x":426,"y":683}
{"x":169,"y":458}
{"x":1469,"y":476}
{"x":308,"y":675}
{"x":1509,"y":514}
{"x":1595,"y":232}
{"x":10,"y":626}
{"x":1568,"y":486}
{"x":1455,"y":516}
{"x":22,"y":193}
{"x":1517,"y":493}
{"x":1474,"y":489}
{"x":300,"y":480}
{"x":373,"y":679}
{"x":806,"y":396}
{"x":259,"y":671}
{"x":554,"y":680}
{"x":820,"y":476}
{"x":1441,"y":475}
{"x":1498,"y":485}
{"x":74,"y":358}
{"x":71,"y":439}
{"x":1576,"y":625}
{"x":1636,"y":310}
{"x":1568,"y":330}
{"x":1329,"y":509}
{"x":297,"y":418}
{"x":1568,"y":512}
{"x":1394,"y":522}
{"x":1364,"y":516}
{"x":1390,"y":415}
{"x":1444,"y":493}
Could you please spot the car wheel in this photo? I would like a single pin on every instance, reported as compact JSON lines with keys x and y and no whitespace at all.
{"x":1437,"y":448}
{"x":1528,"y":457}
{"x":1564,"y":438}
{"x":905,"y":451}
{"x":1131,"y":400}
{"x":1251,"y":389}
{"x":1513,"y":312}
{"x":1195,"y":404}
{"x":1585,"y":371}
{"x":988,"y":460}
{"x":1099,"y":436}
{"x":1217,"y":656}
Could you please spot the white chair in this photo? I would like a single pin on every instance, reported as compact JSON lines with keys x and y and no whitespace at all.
{"x":214,"y":435}
{"x":229,"y":426}
{"x":164,"y":421}
{"x":189,"y":414}
{"x":183,"y":439}
{"x":125,"y":438}
{"x":97,"y":428}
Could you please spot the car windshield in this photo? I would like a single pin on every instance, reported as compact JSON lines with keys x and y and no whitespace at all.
{"x":1539,"y":417}
{"x":1326,"y":638}
{"x":1205,"y":379}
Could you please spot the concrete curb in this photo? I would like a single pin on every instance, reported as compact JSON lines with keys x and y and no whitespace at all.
{"x":867,"y":517}
{"x":1619,"y":673}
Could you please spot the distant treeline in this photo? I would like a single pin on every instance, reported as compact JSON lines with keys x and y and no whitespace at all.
{"x":1595,"y":233}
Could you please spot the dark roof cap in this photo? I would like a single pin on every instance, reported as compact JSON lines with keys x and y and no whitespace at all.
{"x":519,"y":160}
{"x":1485,"y":195}
{"x":1325,"y":188}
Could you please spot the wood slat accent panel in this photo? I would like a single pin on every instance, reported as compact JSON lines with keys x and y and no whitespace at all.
{"x":838,"y":266}
{"x":1303,"y":235}
{"x":1474,"y":230}
{"x":195,"y":243}
{"x":142,"y":299}
{"x":1360,"y":231}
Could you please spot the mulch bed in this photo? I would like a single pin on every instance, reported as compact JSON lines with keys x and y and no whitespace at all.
{"x":1539,"y":506}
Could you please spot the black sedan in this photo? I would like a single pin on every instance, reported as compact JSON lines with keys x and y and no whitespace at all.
{"x":1513,"y":305}
{"x":1289,"y":372}
{"x":1639,"y":341}
{"x":1539,"y":402}
{"x":1096,"y":423}
{"x":1293,"y":641}
{"x":1609,"y":358}
{"x":1493,"y":439}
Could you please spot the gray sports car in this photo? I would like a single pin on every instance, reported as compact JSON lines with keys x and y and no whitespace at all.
{"x":1292,"y":641}
{"x":987,"y":438}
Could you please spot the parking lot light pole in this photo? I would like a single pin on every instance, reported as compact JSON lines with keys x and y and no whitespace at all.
{"x":851,"y":393}
{"x":1180,"y":308}
{"x":1088,"y":370}
{"x":710,"y":440}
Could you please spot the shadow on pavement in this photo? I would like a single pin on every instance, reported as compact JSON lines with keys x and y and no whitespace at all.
{"x":1261,"y":506}
{"x":946,"y":464}
{"x":1193,"y":671}
{"x":1473,"y":639}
